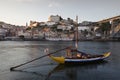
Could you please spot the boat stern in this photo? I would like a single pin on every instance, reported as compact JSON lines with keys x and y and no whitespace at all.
{"x":105,"y":55}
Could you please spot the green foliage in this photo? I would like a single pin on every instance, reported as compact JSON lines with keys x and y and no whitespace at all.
{"x":21,"y":36}
{"x":116,"y":22}
{"x":85,"y":32}
{"x":54,"y":28}
{"x":105,"y":26}
{"x":29,"y":28}
{"x":59,"y":30}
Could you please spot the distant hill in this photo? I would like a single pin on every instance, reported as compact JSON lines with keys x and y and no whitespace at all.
{"x":6,"y":25}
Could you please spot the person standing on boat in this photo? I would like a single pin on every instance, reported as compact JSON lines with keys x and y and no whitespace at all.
{"x":68,"y":52}
{"x":72,"y":53}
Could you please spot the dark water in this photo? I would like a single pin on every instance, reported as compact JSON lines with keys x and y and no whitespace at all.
{"x":13,"y":53}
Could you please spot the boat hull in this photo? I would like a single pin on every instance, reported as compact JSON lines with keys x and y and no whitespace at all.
{"x":83,"y":60}
{"x":63,"y":60}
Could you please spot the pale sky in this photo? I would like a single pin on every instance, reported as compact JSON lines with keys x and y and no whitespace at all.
{"x":19,"y":12}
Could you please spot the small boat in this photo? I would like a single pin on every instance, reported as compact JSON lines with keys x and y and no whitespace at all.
{"x":80,"y":58}
{"x":73,"y":55}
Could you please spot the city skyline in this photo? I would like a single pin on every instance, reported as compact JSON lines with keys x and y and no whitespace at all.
{"x":19,"y":12}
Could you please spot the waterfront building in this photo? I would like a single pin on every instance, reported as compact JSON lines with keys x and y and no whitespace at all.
{"x":2,"y":33}
{"x":88,"y":29}
{"x":50,"y":23}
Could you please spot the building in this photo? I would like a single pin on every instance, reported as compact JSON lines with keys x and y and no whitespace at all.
{"x":64,"y":27}
{"x":2,"y":32}
{"x":50,"y":23}
{"x":55,"y":18}
{"x":33,"y":24}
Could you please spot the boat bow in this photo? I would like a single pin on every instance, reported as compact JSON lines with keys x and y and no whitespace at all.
{"x":60,"y":60}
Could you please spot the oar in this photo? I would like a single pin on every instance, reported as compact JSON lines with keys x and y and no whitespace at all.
{"x":12,"y":68}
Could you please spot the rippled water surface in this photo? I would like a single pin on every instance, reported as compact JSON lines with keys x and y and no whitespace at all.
{"x":13,"y":53}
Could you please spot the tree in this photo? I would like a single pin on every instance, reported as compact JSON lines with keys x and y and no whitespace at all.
{"x":54,"y":28}
{"x":29,"y":28}
{"x":85,"y":32}
{"x":105,"y":27}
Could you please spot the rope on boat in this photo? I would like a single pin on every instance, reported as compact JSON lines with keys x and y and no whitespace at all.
{"x":12,"y":68}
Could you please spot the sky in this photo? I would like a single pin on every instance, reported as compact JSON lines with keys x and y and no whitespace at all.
{"x":18,"y":12}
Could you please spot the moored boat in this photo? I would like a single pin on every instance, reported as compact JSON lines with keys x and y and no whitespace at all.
{"x":78,"y":59}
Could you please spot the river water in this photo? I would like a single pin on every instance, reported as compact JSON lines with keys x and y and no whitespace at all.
{"x":13,"y":53}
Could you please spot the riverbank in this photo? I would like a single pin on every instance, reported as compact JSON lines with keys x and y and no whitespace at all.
{"x":43,"y":39}
{"x":60,"y":40}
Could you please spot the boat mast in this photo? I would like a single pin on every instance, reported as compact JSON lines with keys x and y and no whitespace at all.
{"x":76,"y":33}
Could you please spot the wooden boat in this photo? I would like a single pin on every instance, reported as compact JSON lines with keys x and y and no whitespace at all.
{"x":78,"y":59}
{"x":76,"y":56}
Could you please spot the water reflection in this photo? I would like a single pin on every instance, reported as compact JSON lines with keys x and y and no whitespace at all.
{"x":63,"y":72}
{"x":71,"y":72}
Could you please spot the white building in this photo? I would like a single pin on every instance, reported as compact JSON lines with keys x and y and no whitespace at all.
{"x":69,"y":27}
{"x":54,"y":18}
{"x":83,"y":28}
{"x":64,"y":27}
{"x":41,"y":23}
{"x":2,"y":32}
{"x":50,"y":23}
{"x":85,"y":22}
{"x":25,"y":34}
{"x":67,"y":21}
